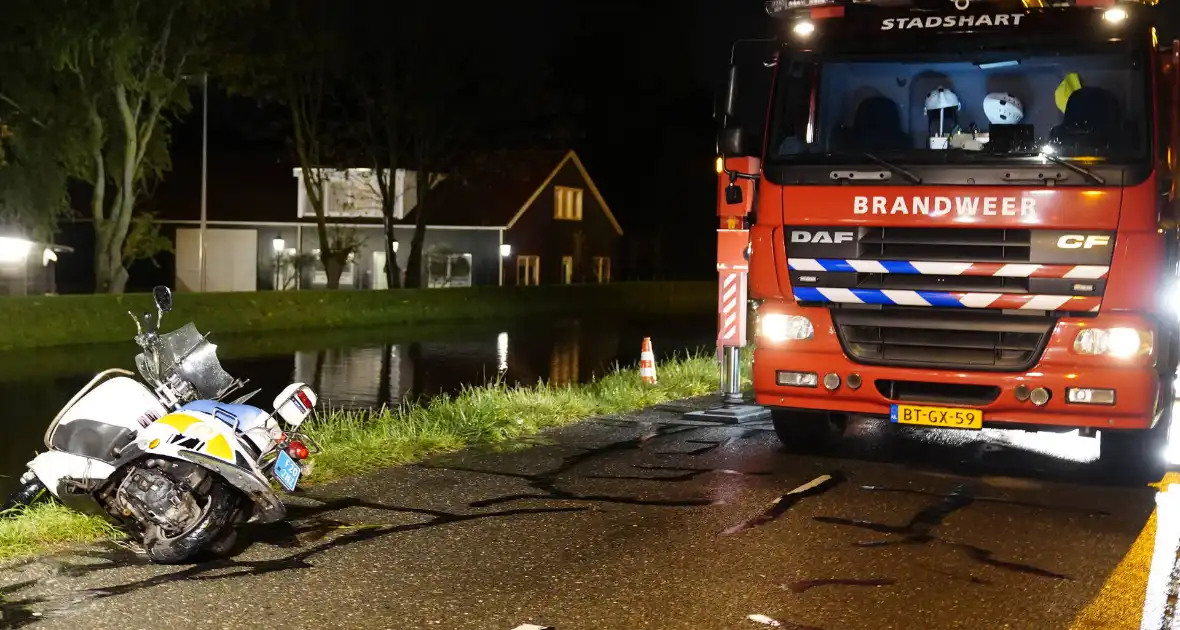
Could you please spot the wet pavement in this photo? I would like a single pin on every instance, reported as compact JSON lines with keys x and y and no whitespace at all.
{"x":651,"y":521}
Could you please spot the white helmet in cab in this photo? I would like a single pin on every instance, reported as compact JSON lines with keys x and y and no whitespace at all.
{"x":941,"y":98}
{"x":1001,"y":108}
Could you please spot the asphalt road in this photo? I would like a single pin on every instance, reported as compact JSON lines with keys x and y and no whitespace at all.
{"x":653,"y":522}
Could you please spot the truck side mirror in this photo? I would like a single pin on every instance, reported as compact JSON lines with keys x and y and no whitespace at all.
{"x":731,"y":142}
{"x":731,"y":95}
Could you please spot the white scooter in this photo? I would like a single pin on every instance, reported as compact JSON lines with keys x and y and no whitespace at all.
{"x":172,"y":464}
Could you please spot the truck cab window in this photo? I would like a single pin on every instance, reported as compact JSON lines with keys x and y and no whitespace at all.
{"x":937,"y":107}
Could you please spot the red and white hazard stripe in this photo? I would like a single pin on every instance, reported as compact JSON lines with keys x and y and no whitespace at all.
{"x":936,"y":268}
{"x":1012,"y":270}
{"x":730,"y":300}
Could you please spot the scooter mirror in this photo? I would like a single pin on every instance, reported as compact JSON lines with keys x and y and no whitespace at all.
{"x":163,"y":297}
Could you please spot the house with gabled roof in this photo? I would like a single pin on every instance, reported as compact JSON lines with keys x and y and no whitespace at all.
{"x":552,"y":224}
{"x":513,"y":217}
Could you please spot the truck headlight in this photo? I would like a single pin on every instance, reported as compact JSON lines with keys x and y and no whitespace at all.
{"x":779,"y":327}
{"x":1115,"y":342}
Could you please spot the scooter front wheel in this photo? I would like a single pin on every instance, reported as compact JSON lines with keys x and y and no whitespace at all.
{"x":26,"y":494}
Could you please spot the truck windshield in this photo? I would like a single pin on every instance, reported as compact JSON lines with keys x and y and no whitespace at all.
{"x":944,"y":107}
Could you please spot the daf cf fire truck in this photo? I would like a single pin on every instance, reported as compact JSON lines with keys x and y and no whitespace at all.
{"x":960,"y":215}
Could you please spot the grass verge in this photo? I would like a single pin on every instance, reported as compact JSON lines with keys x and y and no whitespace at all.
{"x":359,"y":442}
{"x":47,"y":526}
{"x":57,"y":320}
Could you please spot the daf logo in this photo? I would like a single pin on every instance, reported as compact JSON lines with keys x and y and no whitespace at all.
{"x":1077,"y":241}
{"x":823,"y":237}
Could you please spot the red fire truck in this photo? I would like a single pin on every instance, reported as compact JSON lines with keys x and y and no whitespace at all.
{"x":959,"y":215}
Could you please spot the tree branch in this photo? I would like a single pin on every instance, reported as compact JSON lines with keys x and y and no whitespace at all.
{"x":20,"y":110}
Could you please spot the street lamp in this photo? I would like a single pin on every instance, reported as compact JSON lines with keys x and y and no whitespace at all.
{"x":14,"y":250}
{"x":204,"y":174}
{"x":505,"y":252}
{"x":279,"y":246}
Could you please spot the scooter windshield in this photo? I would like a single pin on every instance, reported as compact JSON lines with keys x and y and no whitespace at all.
{"x":187,"y":353}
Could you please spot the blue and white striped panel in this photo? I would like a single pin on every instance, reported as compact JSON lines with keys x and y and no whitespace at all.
{"x":878,"y":266}
{"x":878,"y":296}
{"x":943,"y":299}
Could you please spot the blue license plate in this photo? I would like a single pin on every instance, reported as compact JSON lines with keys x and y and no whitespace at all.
{"x":287,"y":471}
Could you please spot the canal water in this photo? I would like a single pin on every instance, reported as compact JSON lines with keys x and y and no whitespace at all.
{"x":353,"y":367}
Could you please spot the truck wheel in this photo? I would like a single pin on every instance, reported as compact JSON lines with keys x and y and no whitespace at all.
{"x":798,"y":429}
{"x":1136,"y":451}
{"x":1132,"y":451}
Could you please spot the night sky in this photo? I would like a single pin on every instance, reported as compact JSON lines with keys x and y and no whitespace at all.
{"x":638,"y":80}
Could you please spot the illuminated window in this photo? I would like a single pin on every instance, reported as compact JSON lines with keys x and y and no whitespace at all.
{"x":568,"y":203}
{"x":602,"y":269}
{"x":567,"y":269}
{"x":528,"y":270}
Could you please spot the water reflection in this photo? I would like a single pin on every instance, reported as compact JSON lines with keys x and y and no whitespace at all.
{"x":564,"y":366}
{"x":568,"y":353}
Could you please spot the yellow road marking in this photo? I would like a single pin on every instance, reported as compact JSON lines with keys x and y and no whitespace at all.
{"x":1119,"y":603}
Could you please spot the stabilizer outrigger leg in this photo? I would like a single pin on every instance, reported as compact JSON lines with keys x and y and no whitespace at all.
{"x":733,"y":241}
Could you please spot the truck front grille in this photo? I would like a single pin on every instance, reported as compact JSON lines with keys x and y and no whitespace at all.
{"x":950,"y":244}
{"x":943,"y":338}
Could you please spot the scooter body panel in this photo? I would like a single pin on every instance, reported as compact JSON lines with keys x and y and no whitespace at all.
{"x":207,"y":441}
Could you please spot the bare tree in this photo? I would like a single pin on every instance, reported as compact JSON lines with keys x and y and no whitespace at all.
{"x":428,"y":91}
{"x":297,"y":62}
{"x":120,"y":65}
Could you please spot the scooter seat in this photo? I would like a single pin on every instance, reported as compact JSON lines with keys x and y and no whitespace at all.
{"x":245,"y":417}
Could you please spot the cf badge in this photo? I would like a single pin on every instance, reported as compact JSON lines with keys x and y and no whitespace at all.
{"x":1078,"y":241}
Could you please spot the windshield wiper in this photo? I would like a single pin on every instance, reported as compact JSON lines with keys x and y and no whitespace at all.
{"x":1081,"y":170}
{"x":893,"y":167}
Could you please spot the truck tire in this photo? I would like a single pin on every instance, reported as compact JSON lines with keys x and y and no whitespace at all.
{"x":798,"y":429}
{"x":1142,"y":451}
{"x":1133,"y":451}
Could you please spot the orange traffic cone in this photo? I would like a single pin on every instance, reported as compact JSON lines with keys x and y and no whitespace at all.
{"x":647,"y":363}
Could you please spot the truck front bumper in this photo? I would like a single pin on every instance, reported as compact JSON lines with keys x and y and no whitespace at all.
{"x":1002,"y":396}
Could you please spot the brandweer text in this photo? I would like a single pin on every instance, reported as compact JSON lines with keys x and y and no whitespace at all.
{"x":942,"y":206}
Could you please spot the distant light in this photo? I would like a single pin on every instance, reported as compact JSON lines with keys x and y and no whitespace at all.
{"x":803,"y":28}
{"x":505,"y":250}
{"x":14,"y":250}
{"x":1115,"y":15}
{"x":720,"y":165}
{"x":998,"y":64}
{"x":1048,"y":150}
{"x":279,"y":245}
